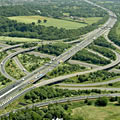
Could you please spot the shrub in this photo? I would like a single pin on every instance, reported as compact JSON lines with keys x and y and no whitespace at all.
{"x":102,"y":101}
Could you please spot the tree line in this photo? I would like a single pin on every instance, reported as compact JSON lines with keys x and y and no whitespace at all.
{"x":89,"y":57}
{"x":113,"y":36}
{"x":47,"y":92}
{"x":101,"y":41}
{"x":98,"y":76}
{"x":63,"y":111}
{"x":55,"y":48}
{"x":65,"y":69}
{"x":104,"y":51}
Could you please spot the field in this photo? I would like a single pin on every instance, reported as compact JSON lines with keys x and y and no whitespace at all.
{"x":55,"y":22}
{"x":17,"y":39}
{"x":111,"y":112}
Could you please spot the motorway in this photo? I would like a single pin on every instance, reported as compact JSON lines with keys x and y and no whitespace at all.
{"x":41,"y":72}
{"x":61,"y":78}
{"x":100,"y":83}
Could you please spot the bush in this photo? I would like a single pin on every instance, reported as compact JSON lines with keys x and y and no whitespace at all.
{"x":102,"y":101}
{"x":89,"y":102}
{"x":85,"y":55}
{"x":113,"y":99}
{"x":118,"y":100}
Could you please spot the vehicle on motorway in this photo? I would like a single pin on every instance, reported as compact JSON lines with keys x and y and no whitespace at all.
{"x":50,"y":62}
{"x":39,"y":76}
{"x":53,"y":59}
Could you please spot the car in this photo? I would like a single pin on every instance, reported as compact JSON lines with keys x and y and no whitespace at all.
{"x":77,"y":45}
{"x":53,"y":58}
{"x":50,"y":69}
{"x":46,"y":64}
{"x":36,"y":77}
{"x":23,"y":79}
{"x":39,"y":75}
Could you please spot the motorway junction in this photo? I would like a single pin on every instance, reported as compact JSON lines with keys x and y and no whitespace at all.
{"x":35,"y":79}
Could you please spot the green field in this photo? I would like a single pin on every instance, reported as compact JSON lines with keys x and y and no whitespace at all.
{"x":55,"y":22}
{"x":18,"y":39}
{"x":110,"y":112}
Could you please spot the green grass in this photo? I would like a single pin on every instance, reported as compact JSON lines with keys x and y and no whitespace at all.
{"x":2,"y":55}
{"x":92,"y":20}
{"x":67,"y":14}
{"x":13,"y":70}
{"x":55,"y":22}
{"x":17,"y":39}
{"x":111,"y":112}
{"x":32,"y":62}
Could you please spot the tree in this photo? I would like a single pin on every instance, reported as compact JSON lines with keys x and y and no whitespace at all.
{"x":86,"y":101}
{"x":39,"y":21}
{"x":45,"y":21}
{"x":48,"y":115}
{"x":102,"y":101}
{"x":33,"y":23}
{"x":89,"y":102}
{"x":118,"y":100}
{"x":113,"y":99}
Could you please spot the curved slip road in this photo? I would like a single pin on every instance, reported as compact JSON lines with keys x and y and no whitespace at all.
{"x":90,"y":88}
{"x":4,"y":61}
{"x":10,"y":47}
{"x":92,"y":84}
{"x":18,"y":63}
